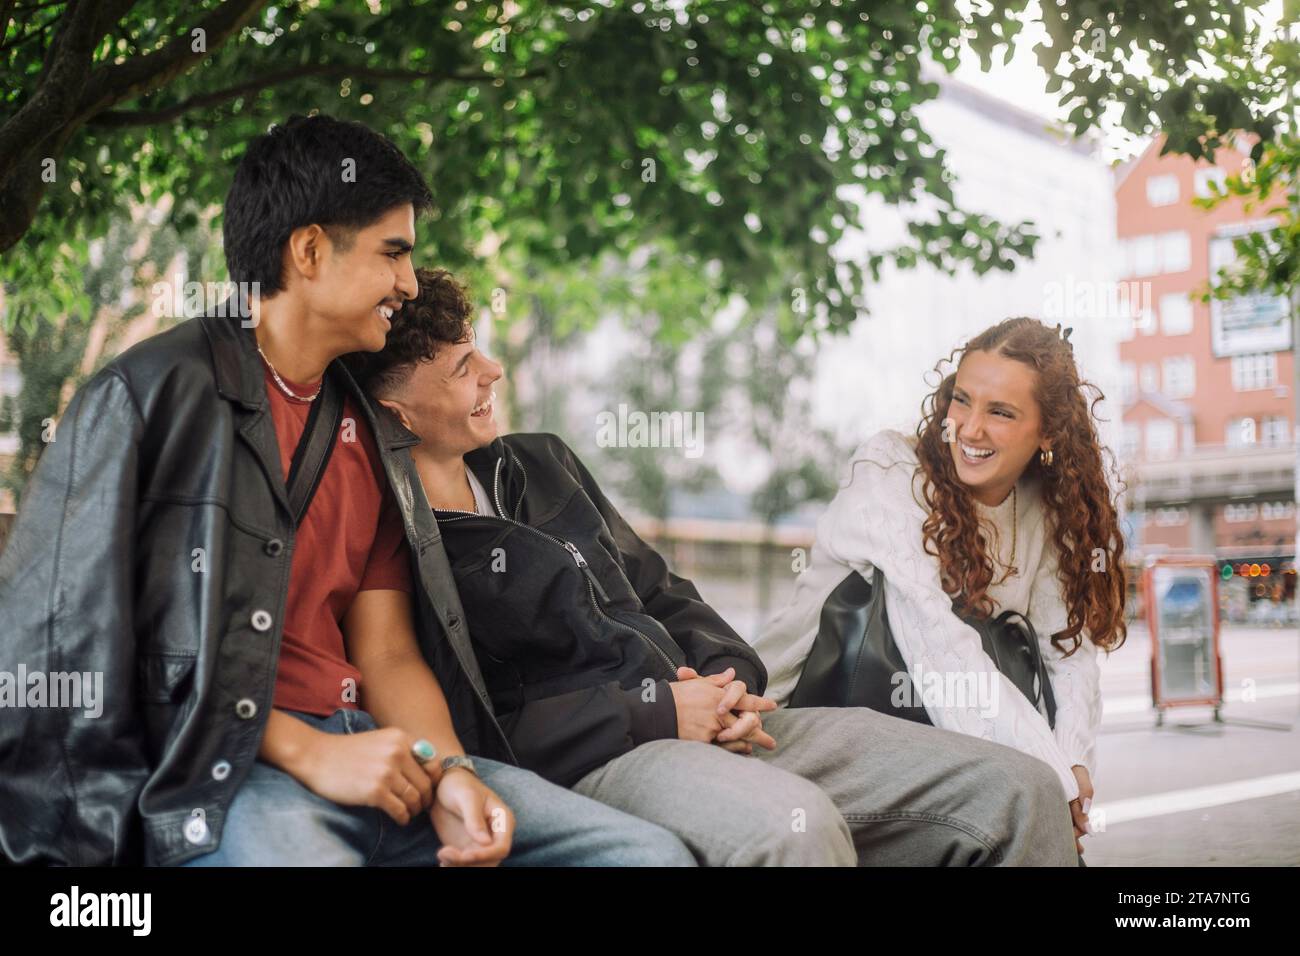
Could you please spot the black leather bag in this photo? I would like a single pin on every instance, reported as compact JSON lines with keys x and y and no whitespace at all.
{"x":854,"y":659}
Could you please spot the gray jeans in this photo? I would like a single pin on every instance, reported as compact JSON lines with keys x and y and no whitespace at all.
{"x":844,"y":786}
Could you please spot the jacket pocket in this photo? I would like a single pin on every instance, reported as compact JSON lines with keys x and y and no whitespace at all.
{"x":165,"y":696}
{"x":165,"y":678}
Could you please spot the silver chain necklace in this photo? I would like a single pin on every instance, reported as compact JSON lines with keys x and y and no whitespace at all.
{"x":285,"y":388}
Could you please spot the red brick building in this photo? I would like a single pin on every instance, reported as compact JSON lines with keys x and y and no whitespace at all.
{"x":1209,"y":425}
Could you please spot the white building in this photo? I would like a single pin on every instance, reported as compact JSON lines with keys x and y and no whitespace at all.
{"x":1008,"y":164}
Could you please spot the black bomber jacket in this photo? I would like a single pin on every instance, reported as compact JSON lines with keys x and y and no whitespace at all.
{"x":578,"y":624}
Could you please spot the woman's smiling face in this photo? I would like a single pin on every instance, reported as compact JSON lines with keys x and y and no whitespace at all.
{"x":994,"y":424}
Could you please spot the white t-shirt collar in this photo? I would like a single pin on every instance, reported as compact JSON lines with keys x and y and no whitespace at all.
{"x":482,"y":502}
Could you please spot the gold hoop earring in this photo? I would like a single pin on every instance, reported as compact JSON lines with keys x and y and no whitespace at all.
{"x":1045,"y":457}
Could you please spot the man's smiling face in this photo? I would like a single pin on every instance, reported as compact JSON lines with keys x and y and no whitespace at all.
{"x":449,"y":400}
{"x":362,"y":279}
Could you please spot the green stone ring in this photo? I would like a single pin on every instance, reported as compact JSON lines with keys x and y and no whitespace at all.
{"x":423,"y":751}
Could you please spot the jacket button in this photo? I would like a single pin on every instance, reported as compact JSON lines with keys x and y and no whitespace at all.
{"x":274,"y":547}
{"x":246,"y":708}
{"x":196,"y":827}
{"x":261,"y":620}
{"x":221,"y":770}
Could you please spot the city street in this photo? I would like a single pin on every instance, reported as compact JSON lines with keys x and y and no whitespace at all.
{"x":1193,"y":792}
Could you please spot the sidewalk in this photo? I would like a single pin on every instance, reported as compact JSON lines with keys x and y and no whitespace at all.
{"x":1197,"y":793}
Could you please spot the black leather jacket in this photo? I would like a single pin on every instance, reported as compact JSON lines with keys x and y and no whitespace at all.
{"x":578,"y":623}
{"x":168,"y":450}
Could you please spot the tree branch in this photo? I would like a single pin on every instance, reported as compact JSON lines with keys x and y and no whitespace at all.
{"x":141,"y":75}
{"x":55,"y":100}
{"x":121,"y":118}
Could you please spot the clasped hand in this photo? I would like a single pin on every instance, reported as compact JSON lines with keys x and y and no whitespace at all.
{"x":719,"y":709}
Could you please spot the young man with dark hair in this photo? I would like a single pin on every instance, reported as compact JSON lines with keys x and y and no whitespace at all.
{"x":226,"y":532}
{"x":611,"y":675}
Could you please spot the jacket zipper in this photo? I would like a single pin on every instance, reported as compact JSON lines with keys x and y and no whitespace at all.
{"x":574,"y":553}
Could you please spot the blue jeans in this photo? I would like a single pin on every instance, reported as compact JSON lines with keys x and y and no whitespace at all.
{"x":275,"y":821}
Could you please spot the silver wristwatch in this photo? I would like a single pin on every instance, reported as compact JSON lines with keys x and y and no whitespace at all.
{"x":458,"y":760}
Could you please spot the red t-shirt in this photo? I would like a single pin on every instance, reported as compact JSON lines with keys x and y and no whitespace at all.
{"x":350,"y":540}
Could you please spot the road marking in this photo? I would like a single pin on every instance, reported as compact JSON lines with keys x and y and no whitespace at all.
{"x":1195,"y":798}
{"x":1141,"y":703}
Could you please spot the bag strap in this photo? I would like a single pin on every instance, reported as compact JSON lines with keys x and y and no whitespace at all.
{"x":1044,"y":680}
{"x":1048,"y":695}
{"x":314,"y":448}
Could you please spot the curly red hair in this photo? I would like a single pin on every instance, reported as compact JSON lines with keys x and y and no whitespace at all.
{"x":1082,"y":519}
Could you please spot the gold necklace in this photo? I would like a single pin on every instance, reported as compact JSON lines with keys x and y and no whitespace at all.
{"x":1015,"y":506}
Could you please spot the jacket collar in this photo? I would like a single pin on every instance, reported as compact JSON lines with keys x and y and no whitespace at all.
{"x":234,"y":355}
{"x":483,"y":463}
{"x":239,"y":375}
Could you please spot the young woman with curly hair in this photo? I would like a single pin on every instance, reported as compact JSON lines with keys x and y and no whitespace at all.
{"x":1000,"y":501}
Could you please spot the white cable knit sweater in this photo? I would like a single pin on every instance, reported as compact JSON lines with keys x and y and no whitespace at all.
{"x":875,"y":519}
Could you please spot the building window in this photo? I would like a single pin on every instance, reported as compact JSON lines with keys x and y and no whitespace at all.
{"x":1127,"y":382}
{"x":1131,"y":442}
{"x":1142,"y":256}
{"x":1238,"y":514}
{"x":1175,"y":252}
{"x":1175,"y":314}
{"x":1179,"y":376}
{"x":1239,"y":432}
{"x":1145,"y":321}
{"x":1254,"y":371}
{"x":1162,"y":439}
{"x":1151,"y":255}
{"x":1206,"y":176}
{"x":1171,"y":517}
{"x":1162,"y":190}
{"x":1274,"y":430}
{"x":1150,"y":377}
{"x":1277,"y":510}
